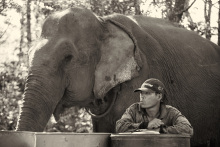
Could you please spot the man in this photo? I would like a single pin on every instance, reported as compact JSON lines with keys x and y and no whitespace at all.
{"x":152,"y":114}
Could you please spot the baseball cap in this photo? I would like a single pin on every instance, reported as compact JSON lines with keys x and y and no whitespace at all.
{"x":153,"y":84}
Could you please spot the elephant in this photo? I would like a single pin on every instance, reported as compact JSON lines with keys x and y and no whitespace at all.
{"x":81,"y":59}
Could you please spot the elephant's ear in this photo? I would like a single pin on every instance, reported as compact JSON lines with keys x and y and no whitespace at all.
{"x":119,"y":62}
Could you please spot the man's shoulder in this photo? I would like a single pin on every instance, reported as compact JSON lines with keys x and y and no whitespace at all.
{"x":134,"y":106}
{"x":171,"y":108}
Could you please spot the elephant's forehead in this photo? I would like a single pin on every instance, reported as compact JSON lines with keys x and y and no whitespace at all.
{"x":48,"y":44}
{"x":38,"y":45}
{"x":51,"y":24}
{"x":66,"y":22}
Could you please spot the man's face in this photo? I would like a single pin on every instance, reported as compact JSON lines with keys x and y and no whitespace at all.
{"x":149,"y":98}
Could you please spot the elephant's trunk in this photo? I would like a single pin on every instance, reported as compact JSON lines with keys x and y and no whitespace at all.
{"x":37,"y":105}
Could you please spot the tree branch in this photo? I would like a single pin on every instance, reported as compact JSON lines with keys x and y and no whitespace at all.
{"x":188,"y":7}
{"x":4,"y":31}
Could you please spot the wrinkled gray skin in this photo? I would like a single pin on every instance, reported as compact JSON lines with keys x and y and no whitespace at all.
{"x":80,"y":58}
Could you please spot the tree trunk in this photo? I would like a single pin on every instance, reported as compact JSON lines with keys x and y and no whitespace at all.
{"x":219,"y":24}
{"x":29,"y":23}
{"x":207,"y":15}
{"x":175,"y":13}
{"x":3,"y":6}
{"x":97,"y":6}
{"x":22,"y":36}
{"x":137,"y":7}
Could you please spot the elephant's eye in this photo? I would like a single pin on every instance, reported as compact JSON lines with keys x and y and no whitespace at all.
{"x":68,"y":58}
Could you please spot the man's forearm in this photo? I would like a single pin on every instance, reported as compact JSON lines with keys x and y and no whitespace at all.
{"x":123,"y":126}
{"x":180,"y":129}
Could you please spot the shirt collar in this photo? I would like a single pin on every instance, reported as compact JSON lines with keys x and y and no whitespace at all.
{"x":163,"y":110}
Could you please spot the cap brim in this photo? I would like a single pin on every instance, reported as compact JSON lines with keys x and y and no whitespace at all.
{"x":142,"y":89}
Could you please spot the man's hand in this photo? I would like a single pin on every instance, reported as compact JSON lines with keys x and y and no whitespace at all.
{"x":143,"y":125}
{"x":155,"y":123}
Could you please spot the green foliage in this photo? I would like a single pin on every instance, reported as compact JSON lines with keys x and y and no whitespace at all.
{"x":75,"y":119}
{"x":12,"y":77}
{"x":9,"y":4}
{"x":99,"y":7}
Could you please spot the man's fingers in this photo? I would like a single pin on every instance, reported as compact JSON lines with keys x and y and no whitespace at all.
{"x":157,"y":124}
{"x":161,"y":123}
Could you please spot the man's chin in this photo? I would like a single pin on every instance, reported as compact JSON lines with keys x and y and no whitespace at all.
{"x":145,"y":106}
{"x":142,"y":105}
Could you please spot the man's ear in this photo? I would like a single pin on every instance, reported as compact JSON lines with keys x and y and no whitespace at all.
{"x":118,"y":62}
{"x":160,"y":96}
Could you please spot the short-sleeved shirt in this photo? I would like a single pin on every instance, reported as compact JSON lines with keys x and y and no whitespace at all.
{"x":175,"y":122}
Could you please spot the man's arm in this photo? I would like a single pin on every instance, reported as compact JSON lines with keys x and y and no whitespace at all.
{"x":180,"y":124}
{"x":127,"y":122}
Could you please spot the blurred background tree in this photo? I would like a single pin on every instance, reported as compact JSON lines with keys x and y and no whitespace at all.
{"x":20,"y":26}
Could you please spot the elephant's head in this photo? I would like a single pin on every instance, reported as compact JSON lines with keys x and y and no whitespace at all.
{"x":77,"y":60}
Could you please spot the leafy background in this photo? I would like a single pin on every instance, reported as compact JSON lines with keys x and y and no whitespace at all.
{"x":20,"y":26}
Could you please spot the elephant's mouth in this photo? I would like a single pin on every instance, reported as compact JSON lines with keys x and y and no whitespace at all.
{"x":63,"y":108}
{"x":98,"y":107}
{"x":63,"y":115}
{"x":59,"y":111}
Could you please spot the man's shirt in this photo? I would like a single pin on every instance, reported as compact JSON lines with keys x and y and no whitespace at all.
{"x":172,"y":118}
